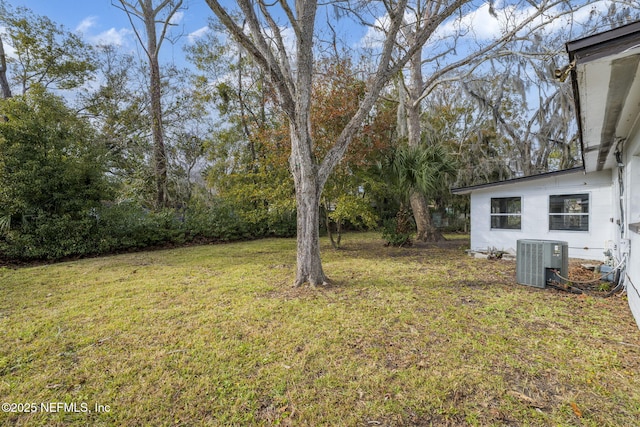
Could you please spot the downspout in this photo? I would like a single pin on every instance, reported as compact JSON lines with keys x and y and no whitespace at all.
{"x":620,"y":169}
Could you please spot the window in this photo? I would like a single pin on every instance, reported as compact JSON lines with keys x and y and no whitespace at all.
{"x":569,"y":212}
{"x":505,"y":213}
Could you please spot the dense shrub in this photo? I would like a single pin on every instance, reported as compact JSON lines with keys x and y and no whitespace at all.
{"x":128,"y":226}
{"x":95,"y":231}
{"x":49,"y":237}
{"x":226,"y":221}
{"x":397,"y":231}
{"x":219,"y":222}
{"x":56,"y":199}
{"x":283,"y":224}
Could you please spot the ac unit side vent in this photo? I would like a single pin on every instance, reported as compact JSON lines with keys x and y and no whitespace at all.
{"x":538,"y":260}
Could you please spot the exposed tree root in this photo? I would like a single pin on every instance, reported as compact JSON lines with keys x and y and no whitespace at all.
{"x":314,"y":284}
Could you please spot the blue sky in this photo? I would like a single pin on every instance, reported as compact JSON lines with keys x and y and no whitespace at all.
{"x":100,"y":22}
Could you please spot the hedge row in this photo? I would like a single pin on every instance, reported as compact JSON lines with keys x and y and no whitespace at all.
{"x":125,"y":227}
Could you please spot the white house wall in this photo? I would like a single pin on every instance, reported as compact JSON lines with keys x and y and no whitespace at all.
{"x":535,"y":213}
{"x":632,"y":215}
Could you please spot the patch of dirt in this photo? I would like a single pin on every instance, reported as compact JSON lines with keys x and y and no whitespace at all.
{"x":584,"y":280}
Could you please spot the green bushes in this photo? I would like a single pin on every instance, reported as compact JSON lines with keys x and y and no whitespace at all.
{"x":48,"y":237}
{"x":51,"y":176}
{"x":397,"y":231}
{"x":218,"y":223}
{"x":128,"y":226}
{"x":91,"y":232}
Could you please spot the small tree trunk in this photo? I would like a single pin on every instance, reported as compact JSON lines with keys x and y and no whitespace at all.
{"x":159,"y":152}
{"x":4,"y":83}
{"x":150,"y":16}
{"x":427,"y":232}
{"x":327,"y":222}
{"x":155,"y":92}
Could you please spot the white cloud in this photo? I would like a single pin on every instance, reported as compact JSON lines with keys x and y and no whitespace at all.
{"x":374,"y":37}
{"x":289,"y":40}
{"x":193,"y":36}
{"x":479,"y":22}
{"x":288,"y":36}
{"x":111,"y":37}
{"x":86,"y":24}
{"x":581,"y":16}
{"x":176,"y":18}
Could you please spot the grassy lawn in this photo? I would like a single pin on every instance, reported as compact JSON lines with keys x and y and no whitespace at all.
{"x":215,"y":335}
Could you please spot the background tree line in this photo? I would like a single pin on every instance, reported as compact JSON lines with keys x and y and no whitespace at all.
{"x":103,"y":152}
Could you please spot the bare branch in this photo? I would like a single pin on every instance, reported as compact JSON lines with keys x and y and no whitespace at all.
{"x":277,"y":35}
{"x":132,"y":11}
{"x":482,"y":54}
{"x":167,"y":21}
{"x":382,"y":75}
{"x":258,"y":49}
{"x":126,"y":7}
{"x":291,"y":16}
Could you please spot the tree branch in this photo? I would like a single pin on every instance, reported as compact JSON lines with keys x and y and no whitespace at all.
{"x":381,"y":77}
{"x":167,"y":21}
{"x":480,"y":55}
{"x":259,"y":50}
{"x":138,"y":14}
{"x":281,"y":49}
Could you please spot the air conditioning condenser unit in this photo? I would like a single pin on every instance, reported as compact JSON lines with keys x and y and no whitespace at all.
{"x":540,"y":261}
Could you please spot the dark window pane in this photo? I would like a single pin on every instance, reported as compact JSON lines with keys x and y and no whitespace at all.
{"x":509,"y":222}
{"x":569,"y":212}
{"x":569,"y":222}
{"x":505,"y":213}
{"x":504,"y":205}
{"x":569,"y":204}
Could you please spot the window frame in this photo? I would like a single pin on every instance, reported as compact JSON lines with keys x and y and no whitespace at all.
{"x":503,"y":217}
{"x":568,"y":217}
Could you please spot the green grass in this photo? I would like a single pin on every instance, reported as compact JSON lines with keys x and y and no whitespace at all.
{"x":216,"y":335}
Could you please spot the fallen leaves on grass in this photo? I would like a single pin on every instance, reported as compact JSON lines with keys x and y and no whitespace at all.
{"x":529,"y":401}
{"x":576,"y":410}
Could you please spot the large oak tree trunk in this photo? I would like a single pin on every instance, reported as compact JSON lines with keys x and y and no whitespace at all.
{"x":292,"y":77}
{"x":308,"y":191}
{"x":309,"y":265}
{"x":426,"y":231}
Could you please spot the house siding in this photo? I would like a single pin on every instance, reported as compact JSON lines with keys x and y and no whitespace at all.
{"x":535,"y":214}
{"x":632,"y":215}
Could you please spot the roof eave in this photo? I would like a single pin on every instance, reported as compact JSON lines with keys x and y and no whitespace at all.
{"x":519,"y":180}
{"x":591,"y":48}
